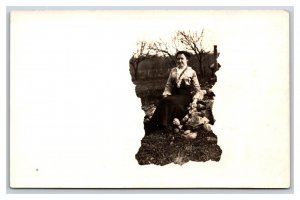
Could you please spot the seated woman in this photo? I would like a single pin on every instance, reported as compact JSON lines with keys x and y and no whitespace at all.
{"x":181,"y":89}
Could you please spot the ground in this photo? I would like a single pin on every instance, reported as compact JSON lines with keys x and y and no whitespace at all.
{"x":163,"y":147}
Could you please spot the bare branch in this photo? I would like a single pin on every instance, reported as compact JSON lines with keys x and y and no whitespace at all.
{"x":162,"y":48}
{"x":193,"y":42}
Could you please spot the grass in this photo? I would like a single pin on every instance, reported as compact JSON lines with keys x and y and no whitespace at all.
{"x":162,"y":148}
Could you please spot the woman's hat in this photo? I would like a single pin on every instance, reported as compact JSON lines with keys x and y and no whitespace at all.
{"x":187,"y":54}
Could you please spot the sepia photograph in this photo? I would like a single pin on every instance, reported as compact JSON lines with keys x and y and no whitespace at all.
{"x":177,"y":104}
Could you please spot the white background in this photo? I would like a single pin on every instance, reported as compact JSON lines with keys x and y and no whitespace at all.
{"x":114,"y":102}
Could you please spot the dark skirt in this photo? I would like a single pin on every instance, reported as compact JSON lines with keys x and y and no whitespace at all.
{"x":170,"y":107}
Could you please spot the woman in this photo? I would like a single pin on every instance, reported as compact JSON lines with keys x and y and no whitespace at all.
{"x":181,"y":89}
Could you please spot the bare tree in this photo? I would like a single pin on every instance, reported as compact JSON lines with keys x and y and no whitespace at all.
{"x":162,"y":48}
{"x":183,"y":40}
{"x":194,"y":42}
{"x":176,"y":44}
{"x":142,"y":53}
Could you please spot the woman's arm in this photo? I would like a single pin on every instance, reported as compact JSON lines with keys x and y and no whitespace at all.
{"x":198,"y":93}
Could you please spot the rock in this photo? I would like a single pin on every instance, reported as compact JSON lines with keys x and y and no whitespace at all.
{"x":192,"y":105}
{"x":176,"y":122}
{"x":201,"y":107}
{"x":185,"y":118}
{"x":192,"y":110}
{"x":186,"y":132}
{"x":176,"y":130}
{"x":191,"y":135}
{"x":149,"y":110}
{"x":204,"y":120}
{"x":202,"y":93}
{"x":209,"y":115}
{"x":194,"y":121}
{"x":179,"y":160}
{"x":207,"y":126}
{"x":202,"y":113}
{"x":146,"y":120}
{"x":209,"y":104}
{"x":212,"y":139}
{"x":210,"y":93}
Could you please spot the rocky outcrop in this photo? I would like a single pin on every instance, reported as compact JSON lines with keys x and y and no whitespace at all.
{"x":187,"y":139}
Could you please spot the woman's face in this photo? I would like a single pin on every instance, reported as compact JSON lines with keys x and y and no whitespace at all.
{"x":181,"y":60}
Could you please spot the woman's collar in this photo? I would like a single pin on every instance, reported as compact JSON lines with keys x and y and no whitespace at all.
{"x":181,"y":68}
{"x":177,"y":68}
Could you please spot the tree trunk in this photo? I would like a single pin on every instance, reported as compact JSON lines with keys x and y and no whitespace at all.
{"x":199,"y":58}
{"x":201,"y":66}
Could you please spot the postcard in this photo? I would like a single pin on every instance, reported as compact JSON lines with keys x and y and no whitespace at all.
{"x":150,"y":99}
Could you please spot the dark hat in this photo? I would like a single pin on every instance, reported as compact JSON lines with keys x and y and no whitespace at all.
{"x":187,"y":54}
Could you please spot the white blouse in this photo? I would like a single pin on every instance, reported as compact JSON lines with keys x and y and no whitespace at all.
{"x":189,"y":76}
